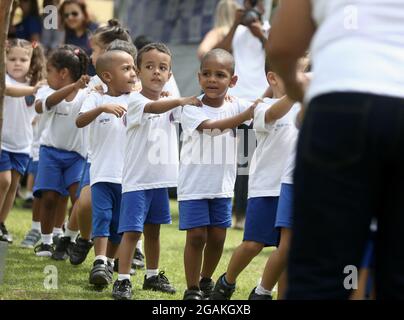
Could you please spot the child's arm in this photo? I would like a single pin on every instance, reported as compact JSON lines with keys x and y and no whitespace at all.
{"x":228,"y":123}
{"x":61,"y":94}
{"x":164,"y":105}
{"x":84,"y":119}
{"x":278,"y":109}
{"x":19,"y":91}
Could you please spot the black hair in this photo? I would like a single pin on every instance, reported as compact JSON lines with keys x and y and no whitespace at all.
{"x":141,"y":41}
{"x":122,"y":45}
{"x":113,"y":31}
{"x":152,"y":46}
{"x":72,"y":58}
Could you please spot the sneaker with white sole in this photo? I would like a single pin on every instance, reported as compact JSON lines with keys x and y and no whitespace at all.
{"x":31,"y":239}
{"x":138,"y":260}
{"x":4,"y":235}
{"x":44,"y":250}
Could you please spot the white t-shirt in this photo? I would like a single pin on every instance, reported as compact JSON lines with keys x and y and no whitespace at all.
{"x":17,"y":134}
{"x":106,"y":139}
{"x":249,"y":55}
{"x":209,"y":158}
{"x":172,"y":87}
{"x":275,"y":141}
{"x":358,"y":47}
{"x":62,"y":132}
{"x":151,"y":153}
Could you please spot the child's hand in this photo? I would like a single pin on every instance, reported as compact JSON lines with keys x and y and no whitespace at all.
{"x":99,"y":89}
{"x":82,"y":82}
{"x":39,"y":85}
{"x":251,"y":109}
{"x":165,"y":94}
{"x":193,"y":101}
{"x":114,"y":109}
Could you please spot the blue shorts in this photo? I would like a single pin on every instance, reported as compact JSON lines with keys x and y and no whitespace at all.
{"x":284,"y":214}
{"x":106,"y":205}
{"x":85,"y":178}
{"x":57,"y":170}
{"x":260,"y":221}
{"x":13,"y":161}
{"x":32,"y":167}
{"x":205,"y":212}
{"x":144,"y":207}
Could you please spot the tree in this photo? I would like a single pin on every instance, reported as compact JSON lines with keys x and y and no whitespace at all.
{"x":5,"y":10}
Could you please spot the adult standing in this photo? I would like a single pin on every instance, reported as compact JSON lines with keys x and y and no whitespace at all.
{"x":78,"y":25}
{"x":30,"y":27}
{"x":350,"y":152}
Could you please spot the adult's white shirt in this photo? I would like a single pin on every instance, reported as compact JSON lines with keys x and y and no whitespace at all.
{"x":275,"y":142}
{"x":358,"y":47}
{"x":106,"y":139}
{"x":208,"y":158}
{"x":249,"y":55}
{"x":151,"y":152}
{"x":17,"y":133}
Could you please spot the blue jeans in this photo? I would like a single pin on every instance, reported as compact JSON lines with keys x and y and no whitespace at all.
{"x":349,"y":168}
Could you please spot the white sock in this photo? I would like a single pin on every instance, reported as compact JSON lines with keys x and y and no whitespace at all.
{"x":29,"y":195}
{"x":151,"y":273}
{"x":100,"y":257}
{"x":123,"y":277}
{"x":57,"y":231}
{"x":111,"y":261}
{"x":72,"y":234}
{"x":260,"y":290}
{"x":139,"y":245}
{"x":47,"y":238}
{"x":36,"y":225}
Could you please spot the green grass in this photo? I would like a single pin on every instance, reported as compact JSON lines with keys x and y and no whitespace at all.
{"x":24,"y":272}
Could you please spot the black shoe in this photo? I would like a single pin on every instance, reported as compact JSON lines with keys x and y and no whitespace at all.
{"x":254,"y":296}
{"x":100,"y":275}
{"x":44,"y":250}
{"x":132,"y":271}
{"x":158,"y":283}
{"x":62,"y":249}
{"x":206,"y":285}
{"x":122,"y":290}
{"x":138,"y":260}
{"x":79,"y":251}
{"x":222,"y":291}
{"x":193,"y":294}
{"x":110,"y":271}
{"x":4,"y":235}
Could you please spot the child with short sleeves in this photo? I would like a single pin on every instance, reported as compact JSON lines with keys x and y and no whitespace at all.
{"x":208,"y":171}
{"x":62,"y":149}
{"x":25,"y":67}
{"x":150,"y":167}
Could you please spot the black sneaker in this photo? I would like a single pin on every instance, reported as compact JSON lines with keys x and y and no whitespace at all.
{"x":138,"y":260}
{"x":158,"y":283}
{"x":4,"y":235}
{"x":132,"y":271}
{"x":122,"y":290}
{"x":79,"y":251}
{"x":44,"y":250}
{"x":100,"y":275}
{"x":254,"y":296}
{"x":206,"y":285}
{"x":62,"y":249}
{"x":193,"y":294}
{"x":222,"y":291}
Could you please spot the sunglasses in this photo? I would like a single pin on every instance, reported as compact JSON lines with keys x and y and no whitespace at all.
{"x":68,"y":14}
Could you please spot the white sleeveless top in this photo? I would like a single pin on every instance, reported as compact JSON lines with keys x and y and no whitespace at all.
{"x":358,"y":47}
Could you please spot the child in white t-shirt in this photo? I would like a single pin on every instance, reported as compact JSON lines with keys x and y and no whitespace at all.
{"x":208,"y":171}
{"x":274,"y":123}
{"x":105,"y":114}
{"x":62,"y":152}
{"x":150,"y":167}
{"x":25,"y":65}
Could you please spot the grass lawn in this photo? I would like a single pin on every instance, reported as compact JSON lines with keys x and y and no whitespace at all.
{"x":25,"y":274}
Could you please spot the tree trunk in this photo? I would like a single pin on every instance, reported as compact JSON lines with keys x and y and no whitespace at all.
{"x":5,"y":9}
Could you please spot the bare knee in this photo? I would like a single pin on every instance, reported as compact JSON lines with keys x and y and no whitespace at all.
{"x":252,"y":248}
{"x":196,"y":238}
{"x":5,"y":183}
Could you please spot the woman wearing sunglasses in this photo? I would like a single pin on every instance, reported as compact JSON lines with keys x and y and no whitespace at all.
{"x":78,"y":26}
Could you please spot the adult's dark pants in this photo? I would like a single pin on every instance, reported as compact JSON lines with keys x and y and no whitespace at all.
{"x":349,"y":168}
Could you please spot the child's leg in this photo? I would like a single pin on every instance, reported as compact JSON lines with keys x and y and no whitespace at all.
{"x":84,"y":213}
{"x":30,"y":183}
{"x":8,"y":201}
{"x":152,"y":245}
{"x":49,"y":202}
{"x":213,"y":250}
{"x":194,"y":245}
{"x":5,"y":183}
{"x":112,"y":250}
{"x":241,"y":258}
{"x":126,"y":251}
{"x":100,"y":246}
{"x":60,"y":213}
